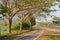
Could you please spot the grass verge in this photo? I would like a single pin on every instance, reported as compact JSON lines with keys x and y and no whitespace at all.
{"x":48,"y":35}
{"x":15,"y":34}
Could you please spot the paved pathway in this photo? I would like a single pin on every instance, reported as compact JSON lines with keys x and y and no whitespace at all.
{"x":31,"y":36}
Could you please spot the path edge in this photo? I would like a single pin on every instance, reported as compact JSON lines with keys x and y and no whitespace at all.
{"x":39,"y":35}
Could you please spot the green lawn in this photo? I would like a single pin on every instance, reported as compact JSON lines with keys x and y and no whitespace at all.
{"x":47,"y":35}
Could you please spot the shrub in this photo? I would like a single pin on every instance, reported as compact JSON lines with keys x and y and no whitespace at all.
{"x":25,"y":24}
{"x":33,"y":22}
{"x":16,"y":27}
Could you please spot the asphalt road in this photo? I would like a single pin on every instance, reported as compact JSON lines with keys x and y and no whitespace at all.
{"x":31,"y":36}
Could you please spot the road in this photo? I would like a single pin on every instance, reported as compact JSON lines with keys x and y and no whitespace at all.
{"x":31,"y":36}
{"x":49,"y":29}
{"x":36,"y":34}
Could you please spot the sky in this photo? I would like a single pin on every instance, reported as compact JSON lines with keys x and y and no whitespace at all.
{"x":56,"y":13}
{"x":56,"y":7}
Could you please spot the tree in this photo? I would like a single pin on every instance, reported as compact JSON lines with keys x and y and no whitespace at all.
{"x":22,"y":16}
{"x":58,"y":0}
{"x":12,"y":7}
{"x":31,"y":21}
{"x":33,"y":6}
{"x":56,"y":18}
{"x":8,"y":9}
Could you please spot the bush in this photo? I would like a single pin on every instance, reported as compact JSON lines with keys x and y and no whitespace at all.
{"x":16,"y":27}
{"x":33,"y":22}
{"x":25,"y":24}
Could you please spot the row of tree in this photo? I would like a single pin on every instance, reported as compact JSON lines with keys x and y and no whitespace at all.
{"x":23,"y":9}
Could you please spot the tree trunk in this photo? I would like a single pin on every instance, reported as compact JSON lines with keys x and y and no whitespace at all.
{"x":20,"y":25}
{"x":30,"y":23}
{"x":9,"y":25}
{"x":30,"y":26}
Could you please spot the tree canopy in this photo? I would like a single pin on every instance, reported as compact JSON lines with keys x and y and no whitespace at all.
{"x":9,"y":8}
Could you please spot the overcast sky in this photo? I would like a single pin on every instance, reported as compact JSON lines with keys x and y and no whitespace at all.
{"x":56,"y":13}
